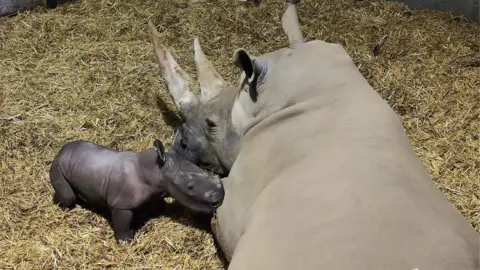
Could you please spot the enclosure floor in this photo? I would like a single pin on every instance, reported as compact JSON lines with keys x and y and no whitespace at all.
{"x":87,"y":71}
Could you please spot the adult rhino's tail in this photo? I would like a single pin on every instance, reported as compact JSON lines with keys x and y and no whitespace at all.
{"x":290,"y":24}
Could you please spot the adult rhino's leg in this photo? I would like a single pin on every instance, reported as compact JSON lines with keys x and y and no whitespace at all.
{"x":223,"y":230}
{"x":290,"y":24}
{"x":64,"y":195}
{"x":226,"y":248}
{"x":122,"y":224}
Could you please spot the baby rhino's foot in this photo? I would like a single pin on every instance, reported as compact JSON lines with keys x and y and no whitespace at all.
{"x":63,"y":202}
{"x":124,"y":239}
{"x":122,"y":229}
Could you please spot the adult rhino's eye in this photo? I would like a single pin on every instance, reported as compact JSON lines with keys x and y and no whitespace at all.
{"x":190,"y":186}
{"x":210,"y":123}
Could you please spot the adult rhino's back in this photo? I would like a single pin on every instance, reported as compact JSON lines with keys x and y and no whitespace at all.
{"x":331,"y":182}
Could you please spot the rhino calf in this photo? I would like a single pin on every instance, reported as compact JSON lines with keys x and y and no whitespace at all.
{"x":124,"y":181}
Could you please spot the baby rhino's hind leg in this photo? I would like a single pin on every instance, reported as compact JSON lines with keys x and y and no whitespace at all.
{"x":122,"y":224}
{"x":64,"y":195}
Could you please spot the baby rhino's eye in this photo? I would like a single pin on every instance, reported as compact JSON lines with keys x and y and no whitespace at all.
{"x":183,"y":145}
{"x":190,"y":186}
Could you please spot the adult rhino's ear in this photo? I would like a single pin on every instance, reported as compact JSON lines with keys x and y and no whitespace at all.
{"x":160,"y":151}
{"x":243,"y":61}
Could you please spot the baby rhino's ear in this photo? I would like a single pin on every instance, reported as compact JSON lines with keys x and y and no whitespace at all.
{"x":160,"y":152}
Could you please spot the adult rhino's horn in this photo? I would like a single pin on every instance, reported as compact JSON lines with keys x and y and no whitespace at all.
{"x":175,"y":77}
{"x":211,"y":82}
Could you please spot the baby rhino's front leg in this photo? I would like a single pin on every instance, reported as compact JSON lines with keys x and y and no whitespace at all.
{"x":122,"y":224}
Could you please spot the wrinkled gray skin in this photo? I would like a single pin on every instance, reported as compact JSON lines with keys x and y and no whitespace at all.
{"x":125,"y":181}
{"x":206,"y":138}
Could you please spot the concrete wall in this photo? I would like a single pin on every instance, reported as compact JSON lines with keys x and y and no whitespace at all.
{"x":470,"y":9}
{"x":9,"y":7}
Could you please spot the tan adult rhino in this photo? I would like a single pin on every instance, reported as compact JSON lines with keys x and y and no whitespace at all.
{"x":324,"y":176}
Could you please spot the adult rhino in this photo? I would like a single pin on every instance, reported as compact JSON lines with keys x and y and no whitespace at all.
{"x":324,"y":176}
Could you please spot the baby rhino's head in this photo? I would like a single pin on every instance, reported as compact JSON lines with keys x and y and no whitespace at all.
{"x":188,"y":184}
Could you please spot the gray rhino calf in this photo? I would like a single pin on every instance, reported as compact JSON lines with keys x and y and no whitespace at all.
{"x":124,"y":181}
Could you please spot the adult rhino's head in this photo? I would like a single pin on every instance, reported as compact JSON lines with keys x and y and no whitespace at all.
{"x":206,"y":137}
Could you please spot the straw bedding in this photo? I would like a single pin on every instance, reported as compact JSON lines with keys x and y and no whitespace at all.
{"x":87,"y":71}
